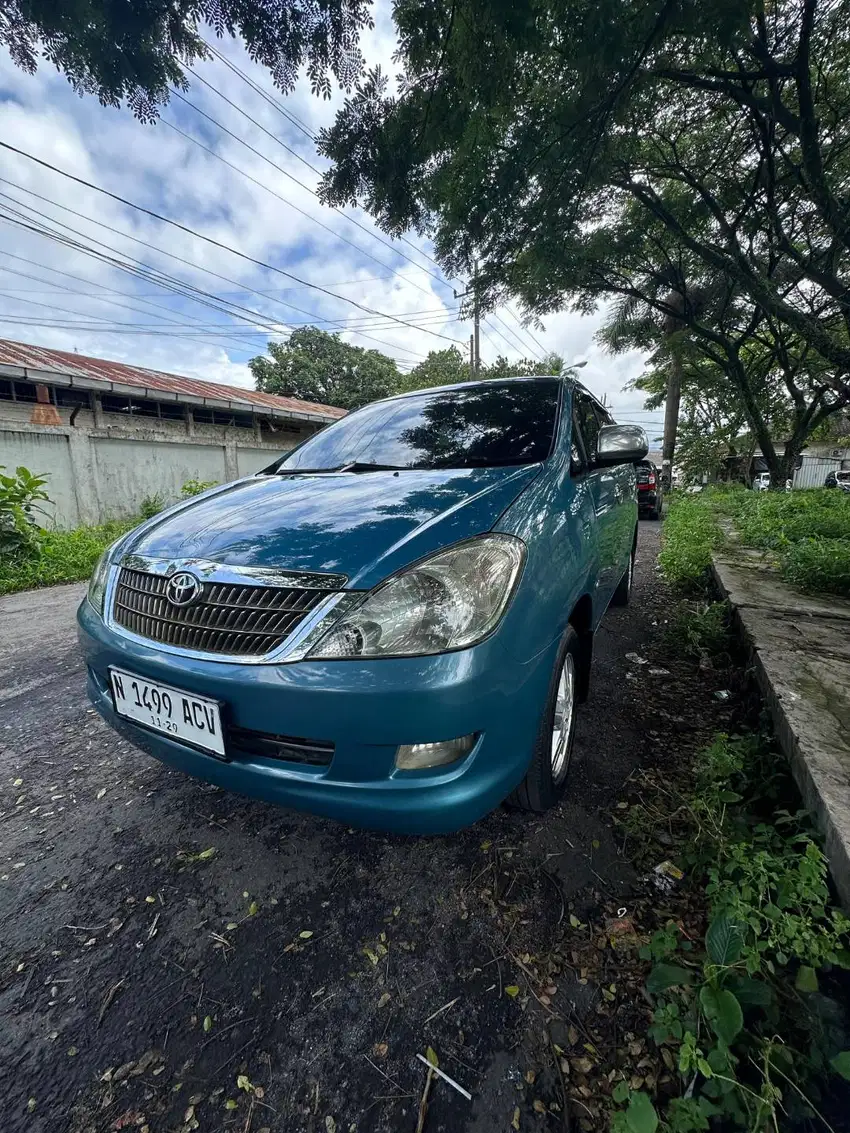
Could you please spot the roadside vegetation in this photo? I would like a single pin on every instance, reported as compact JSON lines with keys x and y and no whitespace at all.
{"x":805,"y":534}
{"x":747,"y":1011}
{"x":32,"y":555}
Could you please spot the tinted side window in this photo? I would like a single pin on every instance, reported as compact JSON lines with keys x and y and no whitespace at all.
{"x":588,"y":423}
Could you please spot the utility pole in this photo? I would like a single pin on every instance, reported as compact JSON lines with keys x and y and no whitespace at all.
{"x":477,"y":317}
{"x":474,"y":341}
{"x":671,"y":415}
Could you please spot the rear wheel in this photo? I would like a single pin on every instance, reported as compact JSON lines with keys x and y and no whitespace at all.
{"x":546,"y":777}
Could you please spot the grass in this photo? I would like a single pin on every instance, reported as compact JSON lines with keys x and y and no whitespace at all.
{"x":62,"y":556}
{"x":806,"y":533}
{"x":53,"y":556}
{"x":691,"y":532}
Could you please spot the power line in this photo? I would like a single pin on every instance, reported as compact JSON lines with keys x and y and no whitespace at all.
{"x":306,"y":130}
{"x":210,"y":240}
{"x":274,"y":192}
{"x":294,"y":120}
{"x":155,"y":275}
{"x":286,"y":173}
{"x":99,"y":298}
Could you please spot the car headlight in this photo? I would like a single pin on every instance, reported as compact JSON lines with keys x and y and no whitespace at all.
{"x":449,"y":601}
{"x":97,"y":582}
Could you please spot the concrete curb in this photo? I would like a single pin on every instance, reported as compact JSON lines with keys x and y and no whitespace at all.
{"x":799,"y":648}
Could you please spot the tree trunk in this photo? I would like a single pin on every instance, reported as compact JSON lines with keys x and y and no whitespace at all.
{"x":671,"y":413}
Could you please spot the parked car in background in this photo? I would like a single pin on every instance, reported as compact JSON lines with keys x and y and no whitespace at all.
{"x":393,"y":624}
{"x":838,"y":479}
{"x":761,"y":482}
{"x":650,"y":492}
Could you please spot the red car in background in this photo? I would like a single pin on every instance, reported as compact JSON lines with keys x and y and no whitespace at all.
{"x":649,"y":492}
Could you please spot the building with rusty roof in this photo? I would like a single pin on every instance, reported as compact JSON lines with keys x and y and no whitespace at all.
{"x":111,"y":435}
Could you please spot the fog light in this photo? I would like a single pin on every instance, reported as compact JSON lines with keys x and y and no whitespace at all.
{"x":413,"y":757}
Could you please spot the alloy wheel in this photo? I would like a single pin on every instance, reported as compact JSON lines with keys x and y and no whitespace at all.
{"x":562,"y":725}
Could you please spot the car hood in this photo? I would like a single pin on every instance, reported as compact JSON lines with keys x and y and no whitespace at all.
{"x":362,"y":525}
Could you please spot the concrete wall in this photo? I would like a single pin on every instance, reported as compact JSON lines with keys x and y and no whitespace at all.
{"x":104,"y":473}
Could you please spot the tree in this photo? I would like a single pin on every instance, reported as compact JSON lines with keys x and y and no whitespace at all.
{"x":136,"y":49}
{"x":317,"y":366}
{"x":524,"y":368}
{"x":440,"y":368}
{"x":600,"y":148}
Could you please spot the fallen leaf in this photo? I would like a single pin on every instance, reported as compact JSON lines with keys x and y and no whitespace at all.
{"x":208,"y":1023}
{"x":431,"y":1055}
{"x":515,"y":1122}
{"x":530,"y":1076}
{"x":253,"y":909}
{"x":231,"y":1103}
{"x":380,"y":1050}
{"x":538,"y":1106}
{"x":205,"y":855}
{"x":101,"y":792}
{"x":330,"y":1124}
{"x":384,"y":1000}
{"x":72,"y":1050}
{"x":306,"y":934}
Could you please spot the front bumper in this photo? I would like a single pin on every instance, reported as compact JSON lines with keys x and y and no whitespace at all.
{"x":366,"y":709}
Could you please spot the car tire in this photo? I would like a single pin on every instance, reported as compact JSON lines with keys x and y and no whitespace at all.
{"x":546,"y":777}
{"x":623,"y":592}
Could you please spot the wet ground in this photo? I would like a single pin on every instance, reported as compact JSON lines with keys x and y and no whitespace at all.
{"x":176,"y":958}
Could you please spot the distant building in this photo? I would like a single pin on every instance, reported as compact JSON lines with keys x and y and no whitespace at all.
{"x":110,"y":435}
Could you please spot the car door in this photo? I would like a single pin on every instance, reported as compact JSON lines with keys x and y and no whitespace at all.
{"x":611,"y":489}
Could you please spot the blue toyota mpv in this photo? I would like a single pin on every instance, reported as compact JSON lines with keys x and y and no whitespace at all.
{"x":394,"y":623}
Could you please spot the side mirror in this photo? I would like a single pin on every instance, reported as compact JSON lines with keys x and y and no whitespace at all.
{"x":621,"y":444}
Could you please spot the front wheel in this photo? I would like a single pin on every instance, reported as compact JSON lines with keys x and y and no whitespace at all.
{"x":546,"y":777}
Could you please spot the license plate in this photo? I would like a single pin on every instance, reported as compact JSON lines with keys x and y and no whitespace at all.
{"x":178,"y":714}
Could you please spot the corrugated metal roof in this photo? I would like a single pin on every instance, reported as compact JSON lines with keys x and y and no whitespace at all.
{"x":21,"y":354}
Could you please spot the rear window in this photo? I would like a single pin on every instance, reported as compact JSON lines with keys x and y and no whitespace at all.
{"x":481,"y":426}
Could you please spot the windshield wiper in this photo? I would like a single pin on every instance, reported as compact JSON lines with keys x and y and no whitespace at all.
{"x":365,"y":466}
{"x":352,"y":466}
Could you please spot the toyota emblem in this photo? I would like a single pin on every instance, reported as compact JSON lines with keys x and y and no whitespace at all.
{"x":183,"y":589}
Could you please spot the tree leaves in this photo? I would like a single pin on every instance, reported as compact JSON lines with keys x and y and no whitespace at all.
{"x":841,"y":1064}
{"x":723,"y":1011}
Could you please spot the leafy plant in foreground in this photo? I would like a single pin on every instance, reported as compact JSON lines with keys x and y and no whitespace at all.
{"x":20,"y":505}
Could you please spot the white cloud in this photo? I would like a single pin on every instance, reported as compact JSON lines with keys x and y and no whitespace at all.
{"x":158,"y":168}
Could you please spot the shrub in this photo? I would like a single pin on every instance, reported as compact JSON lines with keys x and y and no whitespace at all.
{"x":772,"y":520}
{"x":701,"y":633}
{"x":151,"y":505}
{"x":195,"y":487}
{"x":19,"y":507}
{"x":818,"y":565}
{"x":63,"y":556}
{"x":689,"y":535}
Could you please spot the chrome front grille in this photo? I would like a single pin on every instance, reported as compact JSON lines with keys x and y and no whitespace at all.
{"x":233,"y":618}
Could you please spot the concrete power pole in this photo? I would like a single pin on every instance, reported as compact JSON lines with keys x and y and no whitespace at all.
{"x":474,"y":340}
{"x":477,"y":318}
{"x":671,"y":415}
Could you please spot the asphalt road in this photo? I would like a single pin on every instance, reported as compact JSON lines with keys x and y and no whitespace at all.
{"x":159,"y":938}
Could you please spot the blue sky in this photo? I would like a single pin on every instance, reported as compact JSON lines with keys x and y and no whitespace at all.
{"x":260,"y":203}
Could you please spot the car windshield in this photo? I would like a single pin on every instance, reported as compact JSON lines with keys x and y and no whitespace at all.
{"x":481,"y":426}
